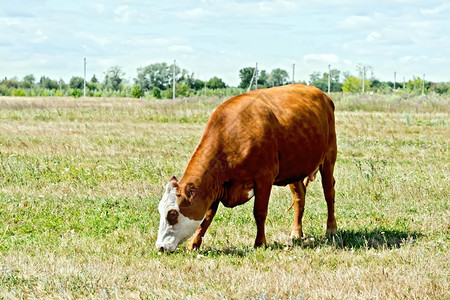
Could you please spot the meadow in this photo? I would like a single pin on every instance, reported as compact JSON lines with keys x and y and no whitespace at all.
{"x":81,"y":179}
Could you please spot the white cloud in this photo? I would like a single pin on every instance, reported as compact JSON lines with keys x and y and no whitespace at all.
{"x":100,"y":8}
{"x":194,"y":14}
{"x":356,"y":22}
{"x":180,"y":48}
{"x":39,"y":37}
{"x":214,"y":9}
{"x":413,"y":59}
{"x":373,"y":36}
{"x":436,"y":10}
{"x":321,"y":58}
{"x":122,"y":13}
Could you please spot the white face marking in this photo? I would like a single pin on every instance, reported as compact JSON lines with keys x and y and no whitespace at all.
{"x":170,"y":236}
{"x":251,"y":193}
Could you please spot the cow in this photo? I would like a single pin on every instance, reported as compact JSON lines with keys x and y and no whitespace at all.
{"x":277,"y":136}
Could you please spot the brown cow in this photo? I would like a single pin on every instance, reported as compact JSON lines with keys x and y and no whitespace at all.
{"x":277,"y":136}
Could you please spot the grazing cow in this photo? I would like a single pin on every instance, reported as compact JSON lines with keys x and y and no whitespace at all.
{"x":277,"y":136}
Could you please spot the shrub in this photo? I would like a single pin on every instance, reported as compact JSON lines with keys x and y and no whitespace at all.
{"x":156,"y":92}
{"x":18,"y":93}
{"x":137,"y":92}
{"x":76,"y":93}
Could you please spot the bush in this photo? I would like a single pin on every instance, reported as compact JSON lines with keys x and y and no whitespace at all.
{"x":182,"y":90}
{"x":76,"y":93}
{"x":18,"y":93}
{"x":4,"y":91}
{"x":168,"y":94}
{"x":137,"y":92}
{"x":156,"y":92}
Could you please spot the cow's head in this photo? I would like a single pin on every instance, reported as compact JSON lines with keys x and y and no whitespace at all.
{"x":174,"y":227}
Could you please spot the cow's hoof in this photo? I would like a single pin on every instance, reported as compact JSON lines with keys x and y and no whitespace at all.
{"x":297,"y":234}
{"x":259,"y":244}
{"x":193,"y":247}
{"x":331,"y":232}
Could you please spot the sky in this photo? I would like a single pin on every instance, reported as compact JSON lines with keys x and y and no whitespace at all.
{"x":218,"y":37}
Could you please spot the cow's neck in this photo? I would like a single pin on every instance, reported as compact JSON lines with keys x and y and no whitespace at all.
{"x":206,"y":171}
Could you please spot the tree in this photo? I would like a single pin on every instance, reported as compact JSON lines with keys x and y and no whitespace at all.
{"x":263,"y":79}
{"x":354,"y":85}
{"x":182,"y":90}
{"x":216,"y":83}
{"x":321,"y":81}
{"x":94,"y":79}
{"x":113,"y":78}
{"x":440,"y":87}
{"x":155,"y":75}
{"x":76,"y":82}
{"x":313,"y":77}
{"x":414,"y":84}
{"x":48,"y":83}
{"x":246,"y":75}
{"x":380,"y":86}
{"x":156,"y":92}
{"x":363,"y":70}
{"x":28,"y":81}
{"x":279,"y":77}
{"x":137,"y":92}
{"x":195,"y":84}
{"x":76,"y":93}
{"x":12,"y":83}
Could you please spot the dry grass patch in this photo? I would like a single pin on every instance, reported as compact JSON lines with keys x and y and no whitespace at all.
{"x":80,"y":181}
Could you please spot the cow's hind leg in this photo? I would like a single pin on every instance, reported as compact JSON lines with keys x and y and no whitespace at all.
{"x":201,"y":230}
{"x":326,"y":171}
{"x":298,"y":190}
{"x":262,"y":195}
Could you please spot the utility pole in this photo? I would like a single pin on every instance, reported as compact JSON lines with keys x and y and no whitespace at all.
{"x":256,"y":77}
{"x":329,"y":78}
{"x":173,"y":92}
{"x":363,"y":78}
{"x":293,"y":73}
{"x":395,"y":79}
{"x":84,"y":84}
{"x":423,"y":85}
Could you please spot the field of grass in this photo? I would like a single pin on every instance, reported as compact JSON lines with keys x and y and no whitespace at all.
{"x":80,"y":181}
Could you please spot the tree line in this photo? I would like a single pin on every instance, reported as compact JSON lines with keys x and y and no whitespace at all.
{"x":156,"y":81}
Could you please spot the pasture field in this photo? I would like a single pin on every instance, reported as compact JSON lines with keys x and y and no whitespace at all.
{"x":80,"y":181}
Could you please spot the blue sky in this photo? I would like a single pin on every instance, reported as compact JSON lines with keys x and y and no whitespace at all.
{"x":217,"y":38}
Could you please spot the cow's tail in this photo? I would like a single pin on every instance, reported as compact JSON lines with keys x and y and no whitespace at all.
{"x":328,"y":99}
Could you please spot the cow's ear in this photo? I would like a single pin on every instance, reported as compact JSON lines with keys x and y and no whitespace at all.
{"x":173,"y":178}
{"x":191,"y":191}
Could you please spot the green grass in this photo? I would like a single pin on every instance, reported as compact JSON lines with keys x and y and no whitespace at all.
{"x":80,"y":181}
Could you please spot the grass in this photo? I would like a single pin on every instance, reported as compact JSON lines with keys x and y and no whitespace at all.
{"x":80,"y":181}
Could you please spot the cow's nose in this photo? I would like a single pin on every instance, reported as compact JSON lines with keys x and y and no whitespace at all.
{"x":161,"y":249}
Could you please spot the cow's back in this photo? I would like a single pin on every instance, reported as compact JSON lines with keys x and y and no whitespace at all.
{"x":282,"y":132}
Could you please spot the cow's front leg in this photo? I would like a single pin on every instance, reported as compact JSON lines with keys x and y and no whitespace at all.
{"x":201,"y":230}
{"x":262,"y":195}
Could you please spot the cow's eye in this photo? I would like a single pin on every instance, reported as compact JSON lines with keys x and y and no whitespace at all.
{"x":172,"y":216}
